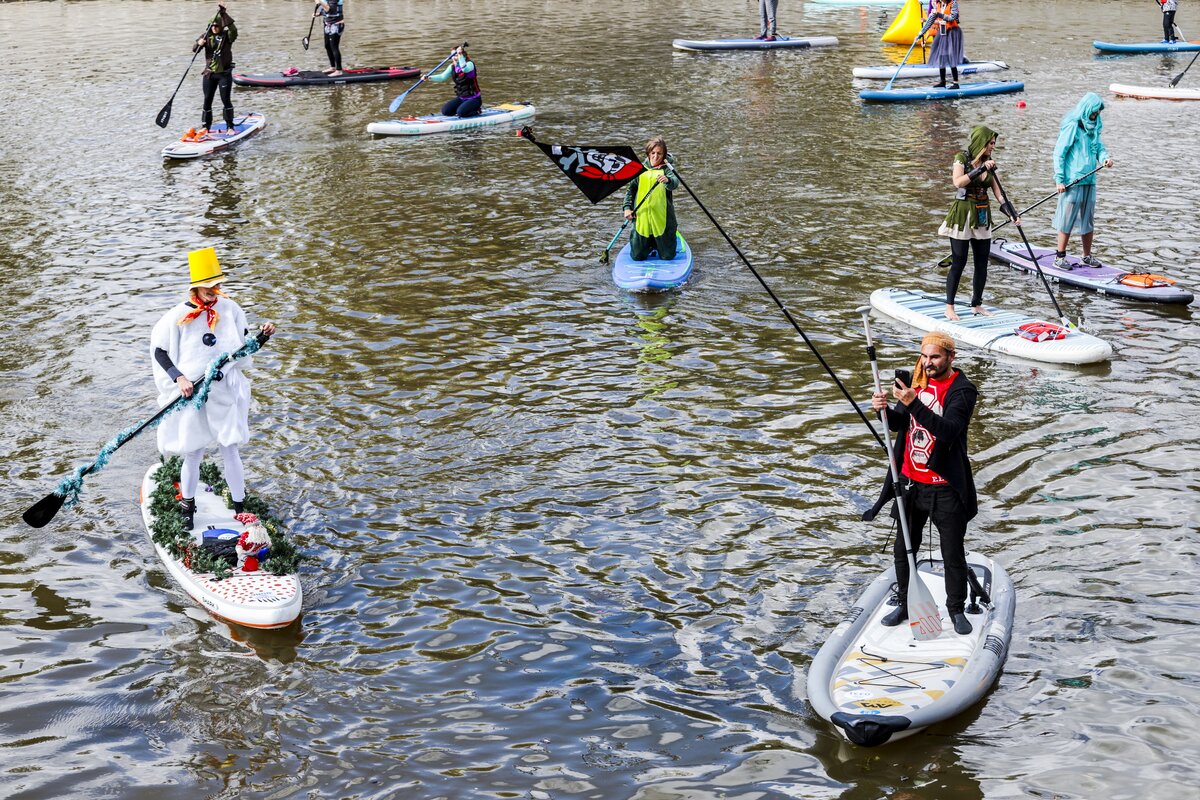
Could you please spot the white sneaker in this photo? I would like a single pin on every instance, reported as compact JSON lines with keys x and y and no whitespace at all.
{"x":1061,"y":263}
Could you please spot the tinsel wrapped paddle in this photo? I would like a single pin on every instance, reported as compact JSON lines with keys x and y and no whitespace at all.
{"x":69,"y":488}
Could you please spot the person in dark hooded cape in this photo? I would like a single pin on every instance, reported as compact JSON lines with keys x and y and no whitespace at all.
{"x":1078,"y":152}
{"x":968,"y":223}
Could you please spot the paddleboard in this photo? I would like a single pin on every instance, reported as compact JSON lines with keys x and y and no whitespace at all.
{"x":653,"y":274}
{"x":885,"y":73}
{"x":1146,"y":47}
{"x":998,"y":332}
{"x":780,"y":43}
{"x":975,"y":89}
{"x":878,"y":685}
{"x":858,"y":2}
{"x":253,"y":599}
{"x":294,"y":77}
{"x":1154,"y":92}
{"x":440,"y":123}
{"x":218,"y":137}
{"x":1105,"y":279}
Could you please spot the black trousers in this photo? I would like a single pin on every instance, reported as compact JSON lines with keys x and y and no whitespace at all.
{"x":333,"y":48}
{"x":1169,"y":26}
{"x":212,"y":82}
{"x":940,"y":503}
{"x":958,"y":262}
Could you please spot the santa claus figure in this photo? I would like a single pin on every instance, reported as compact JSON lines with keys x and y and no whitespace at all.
{"x":252,"y":548}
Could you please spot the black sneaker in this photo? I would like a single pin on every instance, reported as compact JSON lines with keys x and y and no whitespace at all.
{"x":188,"y":509}
{"x":954,"y":86}
{"x":896,"y":617}
{"x":962,"y":625}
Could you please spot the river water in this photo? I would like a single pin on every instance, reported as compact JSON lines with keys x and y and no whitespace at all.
{"x":564,"y":542}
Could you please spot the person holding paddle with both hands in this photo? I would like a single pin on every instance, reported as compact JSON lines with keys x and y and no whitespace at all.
{"x":334,"y":23}
{"x":468,"y":99}
{"x":217,"y":42}
{"x":653,"y":212}
{"x":931,"y":417}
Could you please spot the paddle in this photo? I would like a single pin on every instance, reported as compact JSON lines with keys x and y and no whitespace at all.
{"x":310,"y":26}
{"x":920,"y":38}
{"x":396,"y":103}
{"x":1029,"y":249}
{"x":923,"y":618}
{"x":604,"y":255}
{"x":44,"y":510}
{"x":1175,"y":81}
{"x":164,"y":116}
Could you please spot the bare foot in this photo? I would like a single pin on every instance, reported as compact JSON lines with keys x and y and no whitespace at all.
{"x":978,"y":310}
{"x":951,"y":313}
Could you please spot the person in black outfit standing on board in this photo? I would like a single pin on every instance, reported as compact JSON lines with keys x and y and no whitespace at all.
{"x":334,"y":24}
{"x":218,"y":69}
{"x":932,"y":417}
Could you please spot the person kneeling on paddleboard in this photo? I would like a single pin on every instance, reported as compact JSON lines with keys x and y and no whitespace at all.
{"x":468,"y":99}
{"x":947,"y":48}
{"x":969,"y":220}
{"x":184,"y":342}
{"x":932,"y":417}
{"x":1077,"y":153}
{"x":218,"y":71}
{"x":654,"y":223}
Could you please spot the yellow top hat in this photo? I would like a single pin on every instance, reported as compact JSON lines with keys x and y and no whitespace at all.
{"x":204,"y":267}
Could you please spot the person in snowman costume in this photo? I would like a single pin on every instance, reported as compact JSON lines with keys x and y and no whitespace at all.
{"x":183,"y":343}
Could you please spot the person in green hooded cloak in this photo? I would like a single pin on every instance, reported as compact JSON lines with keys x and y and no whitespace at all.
{"x":1077,"y":153}
{"x":968,"y":223}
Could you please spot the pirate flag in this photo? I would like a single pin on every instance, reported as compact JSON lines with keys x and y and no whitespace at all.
{"x":597,"y":171}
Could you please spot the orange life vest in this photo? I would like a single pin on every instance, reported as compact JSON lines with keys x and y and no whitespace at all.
{"x":945,"y":7}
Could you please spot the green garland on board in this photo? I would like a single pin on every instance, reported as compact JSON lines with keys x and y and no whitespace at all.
{"x":167,"y":531}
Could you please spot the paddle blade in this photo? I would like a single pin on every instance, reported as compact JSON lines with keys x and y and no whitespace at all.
{"x":400,"y":99}
{"x":923,"y":617}
{"x":43,"y":510}
{"x":305,"y":42}
{"x":164,"y":116}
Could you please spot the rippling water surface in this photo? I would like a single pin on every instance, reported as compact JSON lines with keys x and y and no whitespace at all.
{"x":564,"y":542}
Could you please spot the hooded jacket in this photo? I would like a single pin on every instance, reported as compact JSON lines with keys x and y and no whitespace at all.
{"x":1079,"y":150}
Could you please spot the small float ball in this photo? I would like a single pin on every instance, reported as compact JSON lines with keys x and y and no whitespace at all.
{"x":1020,"y":104}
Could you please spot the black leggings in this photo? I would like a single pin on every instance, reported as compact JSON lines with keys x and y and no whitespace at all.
{"x":333,"y":49}
{"x":939,"y":503}
{"x":958,"y":262}
{"x":1169,"y":25}
{"x":212,"y":82}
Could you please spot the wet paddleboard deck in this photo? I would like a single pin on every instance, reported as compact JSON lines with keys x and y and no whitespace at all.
{"x":440,"y":123}
{"x":219,"y":137}
{"x":1146,"y":47}
{"x":917,"y":93}
{"x":1000,"y":331}
{"x":878,"y":684}
{"x":256,"y":599}
{"x":1104,"y":278}
{"x":885,"y":73}
{"x":780,"y":43}
{"x":295,"y":77}
{"x":653,"y":274}
{"x":1154,"y":92}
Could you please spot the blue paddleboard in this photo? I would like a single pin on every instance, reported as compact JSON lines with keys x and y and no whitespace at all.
{"x":909,"y":94}
{"x":779,"y":43}
{"x":653,"y":274}
{"x":1147,"y":47}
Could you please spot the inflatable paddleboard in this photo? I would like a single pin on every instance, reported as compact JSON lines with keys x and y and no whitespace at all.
{"x":917,"y":93}
{"x":1146,"y":47}
{"x":1104,"y":278}
{"x":218,"y":137}
{"x":885,"y":73}
{"x":780,"y":43}
{"x":653,"y":274}
{"x":1154,"y":92}
{"x":878,"y":685}
{"x":1002,"y":331}
{"x":858,"y":2}
{"x":295,"y":77}
{"x":440,"y":123}
{"x":254,"y":599}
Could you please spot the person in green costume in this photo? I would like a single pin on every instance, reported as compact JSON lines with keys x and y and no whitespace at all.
{"x":654,"y":223}
{"x":968,"y":223}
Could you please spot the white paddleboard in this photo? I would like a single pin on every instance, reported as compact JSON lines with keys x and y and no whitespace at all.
{"x":1154,"y":92}
{"x":440,"y":123}
{"x":885,"y":73}
{"x":217,"y":138}
{"x":997,"y":331}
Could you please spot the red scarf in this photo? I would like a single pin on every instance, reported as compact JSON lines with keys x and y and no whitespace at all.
{"x":202,"y":308}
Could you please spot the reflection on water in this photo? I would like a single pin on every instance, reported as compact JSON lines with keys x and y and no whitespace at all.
{"x":566,"y":541}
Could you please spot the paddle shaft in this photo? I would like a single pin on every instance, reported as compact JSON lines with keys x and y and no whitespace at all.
{"x":1050,"y":196}
{"x":1029,"y":248}
{"x":604,"y":258}
{"x":310,"y":26}
{"x":918,"y":593}
{"x":400,"y":99}
{"x":920,"y":37}
{"x":1175,"y":81}
{"x":787,"y":315}
{"x":164,"y":116}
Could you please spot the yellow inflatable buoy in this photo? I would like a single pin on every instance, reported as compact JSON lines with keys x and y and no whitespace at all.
{"x":907,"y":25}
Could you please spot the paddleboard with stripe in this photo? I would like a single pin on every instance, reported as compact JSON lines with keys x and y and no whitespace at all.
{"x":998,"y":331}
{"x":780,"y":43}
{"x":917,"y":93}
{"x":295,"y":77}
{"x":1146,"y":47}
{"x":440,"y":123}
{"x":218,"y":137}
{"x":653,"y":274}
{"x":885,"y":73}
{"x":1154,"y":92}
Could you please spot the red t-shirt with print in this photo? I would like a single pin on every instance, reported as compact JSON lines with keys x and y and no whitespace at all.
{"x":920,"y":441}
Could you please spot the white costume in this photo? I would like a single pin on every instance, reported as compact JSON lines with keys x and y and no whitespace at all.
{"x":224,"y":419}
